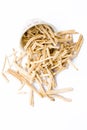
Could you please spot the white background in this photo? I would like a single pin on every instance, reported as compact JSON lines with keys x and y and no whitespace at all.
{"x":15,"y":112}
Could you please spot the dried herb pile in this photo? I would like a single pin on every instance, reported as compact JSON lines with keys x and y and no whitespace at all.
{"x":45,"y":54}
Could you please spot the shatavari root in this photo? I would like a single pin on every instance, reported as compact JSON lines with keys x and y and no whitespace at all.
{"x":46,"y":53}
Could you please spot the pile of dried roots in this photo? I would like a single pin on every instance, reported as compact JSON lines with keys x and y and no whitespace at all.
{"x":45,"y":54}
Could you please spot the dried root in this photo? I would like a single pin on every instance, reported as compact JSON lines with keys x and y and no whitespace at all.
{"x":45,"y":54}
